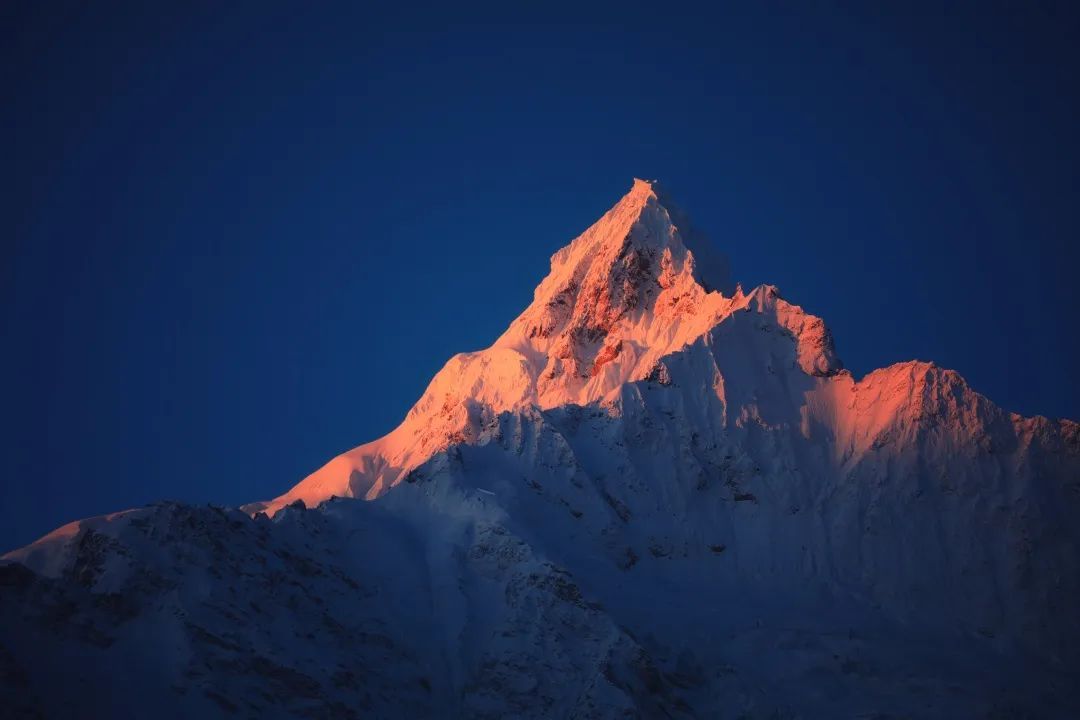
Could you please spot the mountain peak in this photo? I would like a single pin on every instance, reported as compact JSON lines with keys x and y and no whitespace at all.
{"x":624,"y":268}
{"x":644,"y":226}
{"x":635,"y":440}
{"x":645,"y":187}
{"x":651,"y":203}
{"x":637,"y":286}
{"x":644,"y":190}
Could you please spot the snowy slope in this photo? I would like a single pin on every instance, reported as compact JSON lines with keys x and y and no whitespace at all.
{"x":620,"y":297}
{"x":654,"y":495}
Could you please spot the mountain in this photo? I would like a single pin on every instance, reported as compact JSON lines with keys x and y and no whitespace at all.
{"x":655,"y":495}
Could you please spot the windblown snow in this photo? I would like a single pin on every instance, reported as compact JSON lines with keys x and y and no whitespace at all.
{"x":655,"y":495}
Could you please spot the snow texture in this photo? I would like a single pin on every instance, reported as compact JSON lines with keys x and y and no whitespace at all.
{"x":655,"y":495}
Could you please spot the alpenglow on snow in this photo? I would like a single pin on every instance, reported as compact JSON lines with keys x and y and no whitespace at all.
{"x":655,"y":495}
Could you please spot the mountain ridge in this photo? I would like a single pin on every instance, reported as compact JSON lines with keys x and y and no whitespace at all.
{"x":617,"y":298}
{"x":646,"y":499}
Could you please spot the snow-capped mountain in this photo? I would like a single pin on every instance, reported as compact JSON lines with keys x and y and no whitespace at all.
{"x":655,"y":495}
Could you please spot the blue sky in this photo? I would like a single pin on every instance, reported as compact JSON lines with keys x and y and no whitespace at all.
{"x":239,"y":241}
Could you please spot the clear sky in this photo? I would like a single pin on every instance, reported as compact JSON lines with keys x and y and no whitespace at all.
{"x":239,"y":240}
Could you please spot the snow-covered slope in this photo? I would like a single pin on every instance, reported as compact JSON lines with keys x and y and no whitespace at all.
{"x":654,"y":495}
{"x":624,"y":294}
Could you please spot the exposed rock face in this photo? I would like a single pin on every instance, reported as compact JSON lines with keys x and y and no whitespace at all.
{"x":653,"y":496}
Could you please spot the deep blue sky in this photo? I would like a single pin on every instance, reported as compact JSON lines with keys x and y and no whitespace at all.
{"x":237,"y":242}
